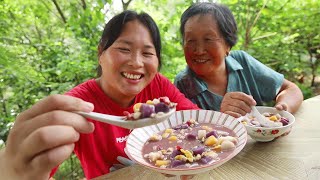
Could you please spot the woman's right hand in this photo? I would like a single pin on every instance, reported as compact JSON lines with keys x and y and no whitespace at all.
{"x":237,"y":104}
{"x":43,"y":137}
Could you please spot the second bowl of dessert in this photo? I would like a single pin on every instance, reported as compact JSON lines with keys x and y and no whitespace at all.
{"x":284,"y":119}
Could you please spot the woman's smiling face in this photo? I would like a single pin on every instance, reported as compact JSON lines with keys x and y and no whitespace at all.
{"x":129,"y":64}
{"x":204,"y":47}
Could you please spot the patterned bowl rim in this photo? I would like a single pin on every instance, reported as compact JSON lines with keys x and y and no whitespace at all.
{"x":179,"y":117}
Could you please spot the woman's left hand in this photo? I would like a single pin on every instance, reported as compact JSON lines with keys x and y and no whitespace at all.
{"x":281,"y":106}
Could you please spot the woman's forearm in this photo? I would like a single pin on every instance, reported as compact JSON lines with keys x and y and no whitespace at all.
{"x":290,"y":95}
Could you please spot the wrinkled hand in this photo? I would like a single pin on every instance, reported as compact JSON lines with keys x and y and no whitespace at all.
{"x":281,"y":106}
{"x":237,"y":104}
{"x":43,"y":137}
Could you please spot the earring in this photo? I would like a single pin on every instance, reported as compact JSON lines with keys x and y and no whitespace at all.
{"x":227,"y":54}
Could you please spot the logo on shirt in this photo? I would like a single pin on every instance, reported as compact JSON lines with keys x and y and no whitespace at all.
{"x":121,"y":139}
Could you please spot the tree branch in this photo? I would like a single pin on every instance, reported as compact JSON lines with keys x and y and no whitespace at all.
{"x":4,"y":108}
{"x":59,"y":10}
{"x":38,"y":30}
{"x":249,"y":27}
{"x":125,"y":4}
{"x":84,"y":5}
{"x":258,"y":15}
{"x":49,"y":9}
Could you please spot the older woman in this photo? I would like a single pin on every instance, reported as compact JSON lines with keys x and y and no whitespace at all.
{"x":223,"y":80}
{"x":47,"y":133}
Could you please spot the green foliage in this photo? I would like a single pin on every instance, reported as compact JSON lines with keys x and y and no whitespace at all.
{"x":70,"y":169}
{"x":168,"y":20}
{"x":45,"y":52}
{"x":282,"y":36}
{"x":306,"y":90}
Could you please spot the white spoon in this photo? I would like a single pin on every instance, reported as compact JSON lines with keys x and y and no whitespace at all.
{"x":128,"y":124}
{"x":261,"y":118}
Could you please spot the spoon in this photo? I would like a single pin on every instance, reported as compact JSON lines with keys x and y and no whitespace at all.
{"x":262,"y":119}
{"x":128,"y":124}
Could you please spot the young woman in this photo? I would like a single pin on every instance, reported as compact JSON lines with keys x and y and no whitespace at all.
{"x":47,"y":133}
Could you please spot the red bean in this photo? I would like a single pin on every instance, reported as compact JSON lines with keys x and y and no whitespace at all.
{"x":191,"y":137}
{"x":183,"y":126}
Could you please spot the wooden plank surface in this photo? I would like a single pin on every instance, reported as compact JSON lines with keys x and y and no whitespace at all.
{"x":295,"y":156}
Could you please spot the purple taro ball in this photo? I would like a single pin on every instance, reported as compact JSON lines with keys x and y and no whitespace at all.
{"x":191,"y":137}
{"x":205,"y":160}
{"x":198,"y":150}
{"x":176,"y":163}
{"x":214,"y":133}
{"x":284,"y":121}
{"x":146,"y":110}
{"x":161,"y":107}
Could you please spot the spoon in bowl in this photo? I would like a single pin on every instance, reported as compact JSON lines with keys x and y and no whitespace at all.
{"x":128,"y":124}
{"x":261,"y":118}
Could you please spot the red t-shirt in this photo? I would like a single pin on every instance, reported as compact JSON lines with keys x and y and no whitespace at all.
{"x":98,"y":151}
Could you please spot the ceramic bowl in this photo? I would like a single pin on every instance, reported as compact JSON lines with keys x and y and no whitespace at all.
{"x":138,"y":137}
{"x":264,"y":134}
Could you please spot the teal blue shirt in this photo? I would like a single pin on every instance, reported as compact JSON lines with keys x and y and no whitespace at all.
{"x":245,"y":74}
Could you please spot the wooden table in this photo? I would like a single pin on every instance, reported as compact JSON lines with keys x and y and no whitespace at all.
{"x":295,"y":156}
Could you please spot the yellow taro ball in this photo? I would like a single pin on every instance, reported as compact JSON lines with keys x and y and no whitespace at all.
{"x":136,"y":107}
{"x":173,"y":138}
{"x":168,"y":130}
{"x":149,"y":102}
{"x":187,"y":153}
{"x":162,"y":162}
{"x":273,"y":118}
{"x":165,"y":135}
{"x":190,"y":159}
{"x":210,"y":141}
{"x":180,"y":157}
{"x":217,"y":148}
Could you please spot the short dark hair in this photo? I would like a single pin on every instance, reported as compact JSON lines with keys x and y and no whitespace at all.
{"x":114,"y":27}
{"x":220,"y":13}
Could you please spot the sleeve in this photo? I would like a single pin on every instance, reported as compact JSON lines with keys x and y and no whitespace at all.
{"x":53,"y":171}
{"x":266,"y":80}
{"x":175,"y":95}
